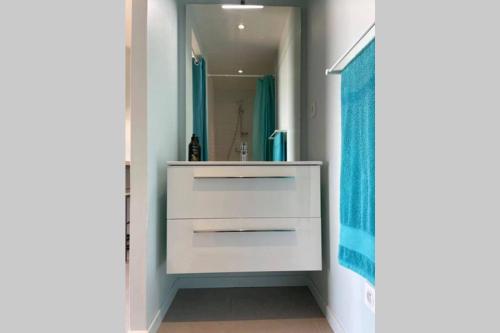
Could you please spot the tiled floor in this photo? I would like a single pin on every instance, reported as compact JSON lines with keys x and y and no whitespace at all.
{"x":242,"y":310}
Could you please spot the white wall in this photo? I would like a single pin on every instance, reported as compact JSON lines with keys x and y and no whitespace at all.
{"x":188,"y":85}
{"x":288,"y":83}
{"x":211,"y":118}
{"x":155,"y":141}
{"x":162,"y":139}
{"x":333,"y":25}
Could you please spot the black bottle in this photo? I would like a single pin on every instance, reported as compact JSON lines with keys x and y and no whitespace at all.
{"x":194,"y":149}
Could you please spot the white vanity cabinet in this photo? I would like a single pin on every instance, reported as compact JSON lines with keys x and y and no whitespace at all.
{"x":243,"y":217}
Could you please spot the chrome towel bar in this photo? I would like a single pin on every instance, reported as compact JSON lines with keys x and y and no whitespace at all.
{"x":332,"y":69}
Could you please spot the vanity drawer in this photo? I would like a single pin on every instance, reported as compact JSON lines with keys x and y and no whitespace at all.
{"x":197,"y":192}
{"x":243,"y":245}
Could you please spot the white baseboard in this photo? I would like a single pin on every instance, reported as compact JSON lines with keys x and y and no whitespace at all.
{"x":334,"y":323}
{"x":155,"y":324}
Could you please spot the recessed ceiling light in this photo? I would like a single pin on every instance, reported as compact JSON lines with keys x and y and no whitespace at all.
{"x":241,"y":26}
{"x":240,"y":71}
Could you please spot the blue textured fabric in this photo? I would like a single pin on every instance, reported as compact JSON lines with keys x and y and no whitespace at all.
{"x":279,"y":147}
{"x":264,"y":119}
{"x":200,"y":106}
{"x":357,"y":172}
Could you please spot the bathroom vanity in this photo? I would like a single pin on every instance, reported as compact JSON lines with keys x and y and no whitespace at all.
{"x":243,"y":217}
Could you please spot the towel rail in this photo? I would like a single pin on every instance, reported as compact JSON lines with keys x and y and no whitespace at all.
{"x":271,"y":137}
{"x":332,"y":69}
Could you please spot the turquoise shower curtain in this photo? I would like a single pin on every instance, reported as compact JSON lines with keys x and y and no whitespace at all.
{"x":200,"y":105}
{"x":264,"y":119}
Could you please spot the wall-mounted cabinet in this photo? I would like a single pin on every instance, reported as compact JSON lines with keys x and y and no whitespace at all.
{"x":243,"y":217}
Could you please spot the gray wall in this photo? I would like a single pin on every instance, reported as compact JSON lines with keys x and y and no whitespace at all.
{"x":333,"y":25}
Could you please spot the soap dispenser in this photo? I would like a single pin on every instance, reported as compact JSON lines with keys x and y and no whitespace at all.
{"x":194,"y":149}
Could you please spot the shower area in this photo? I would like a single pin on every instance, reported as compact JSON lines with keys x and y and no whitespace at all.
{"x":230,"y":105}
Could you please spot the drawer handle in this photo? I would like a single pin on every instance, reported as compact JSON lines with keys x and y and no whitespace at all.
{"x":201,"y":231}
{"x":243,"y":177}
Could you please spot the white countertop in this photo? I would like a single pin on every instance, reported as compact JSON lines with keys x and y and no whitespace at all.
{"x":238,"y":163}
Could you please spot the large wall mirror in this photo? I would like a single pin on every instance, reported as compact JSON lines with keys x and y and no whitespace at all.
{"x":243,"y":82}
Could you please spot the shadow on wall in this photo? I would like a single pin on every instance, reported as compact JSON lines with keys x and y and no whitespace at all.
{"x":161,"y":235}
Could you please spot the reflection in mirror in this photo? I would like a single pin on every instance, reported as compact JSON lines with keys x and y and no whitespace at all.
{"x":243,"y":83}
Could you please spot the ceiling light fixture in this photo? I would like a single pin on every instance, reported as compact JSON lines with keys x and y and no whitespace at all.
{"x":242,"y":5}
{"x":240,"y":71}
{"x":241,"y":26}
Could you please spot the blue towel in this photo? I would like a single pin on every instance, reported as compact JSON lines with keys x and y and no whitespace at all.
{"x":357,"y":172}
{"x":279,"y":147}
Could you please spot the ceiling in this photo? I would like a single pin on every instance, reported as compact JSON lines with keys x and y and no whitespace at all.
{"x":234,"y":83}
{"x":228,"y":49}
